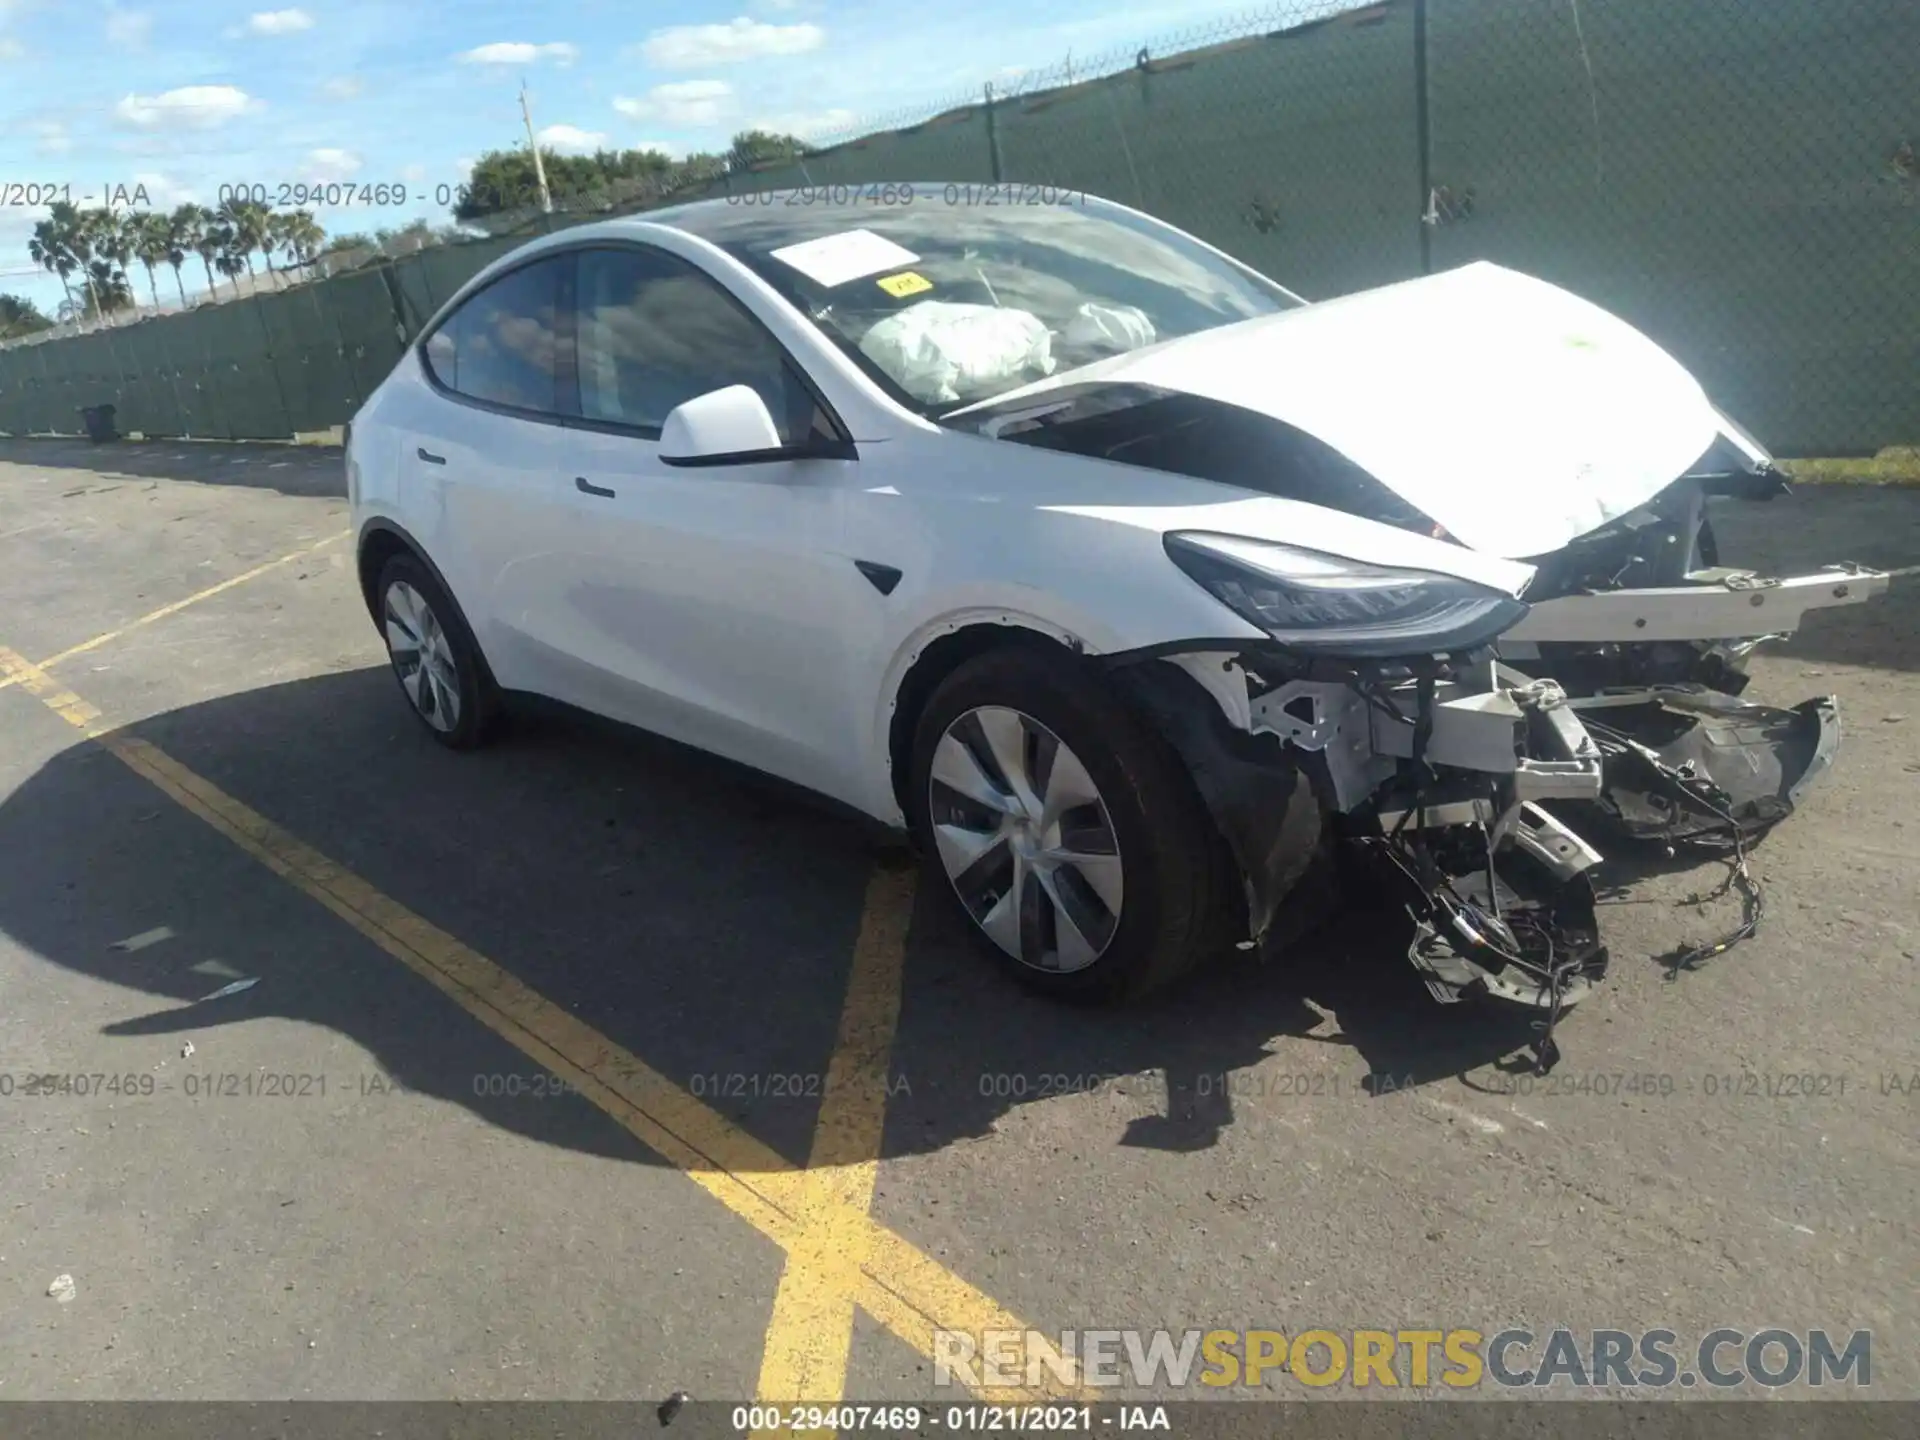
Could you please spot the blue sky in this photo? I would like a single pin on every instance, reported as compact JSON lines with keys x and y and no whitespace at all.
{"x":181,"y":97}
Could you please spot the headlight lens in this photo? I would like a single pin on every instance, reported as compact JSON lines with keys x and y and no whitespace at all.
{"x":1323,"y":603}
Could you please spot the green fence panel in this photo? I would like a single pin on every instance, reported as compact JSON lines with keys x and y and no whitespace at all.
{"x":188,"y":339}
{"x":245,"y":387}
{"x":57,"y":409}
{"x":414,"y":289}
{"x":363,"y":314}
{"x":332,"y":388}
{"x":952,"y":146}
{"x":447,"y":267}
{"x":1294,"y":152}
{"x":155,"y":381}
{"x":90,"y":379}
{"x":1725,"y":174}
{"x":22,"y":388}
{"x":295,"y":344}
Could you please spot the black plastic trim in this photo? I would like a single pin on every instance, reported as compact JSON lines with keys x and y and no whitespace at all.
{"x":883,"y":577}
{"x":830,"y":450}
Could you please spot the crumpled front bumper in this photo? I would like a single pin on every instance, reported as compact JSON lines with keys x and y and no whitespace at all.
{"x":1526,"y":789}
{"x":1484,"y":792}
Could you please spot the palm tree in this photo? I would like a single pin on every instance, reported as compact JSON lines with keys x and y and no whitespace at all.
{"x":149,"y":234}
{"x":249,"y":224}
{"x":109,"y":290}
{"x":300,"y":236}
{"x":48,"y":248}
{"x":230,"y":263}
{"x":113,"y":243}
{"x":180,"y":228}
{"x":200,"y":233}
{"x":71,"y":240}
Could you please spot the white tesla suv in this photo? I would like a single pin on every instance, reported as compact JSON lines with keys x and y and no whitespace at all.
{"x":1150,"y":597}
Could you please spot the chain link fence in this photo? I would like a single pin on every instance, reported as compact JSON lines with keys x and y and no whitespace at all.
{"x":1736,"y":177}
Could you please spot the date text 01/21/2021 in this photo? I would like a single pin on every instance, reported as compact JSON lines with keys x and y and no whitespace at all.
{"x":15,"y":194}
{"x":915,"y":1419}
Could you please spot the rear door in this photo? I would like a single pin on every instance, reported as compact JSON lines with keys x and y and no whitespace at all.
{"x":487,"y":454}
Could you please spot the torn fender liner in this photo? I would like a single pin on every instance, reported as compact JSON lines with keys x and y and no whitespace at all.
{"x":1258,"y":793}
{"x":1689,"y":765}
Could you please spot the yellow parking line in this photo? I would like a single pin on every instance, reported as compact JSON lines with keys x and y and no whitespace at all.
{"x":903,"y":1288}
{"x":810,"y":1334}
{"x":177,"y":606}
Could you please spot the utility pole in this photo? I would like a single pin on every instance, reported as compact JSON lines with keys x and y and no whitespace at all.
{"x":539,"y":169}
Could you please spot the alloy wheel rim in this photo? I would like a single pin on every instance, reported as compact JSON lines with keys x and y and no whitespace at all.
{"x":422,"y":656}
{"x":1026,"y":839}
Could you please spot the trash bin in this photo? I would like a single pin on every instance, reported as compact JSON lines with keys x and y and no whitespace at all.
{"x":99,"y":422}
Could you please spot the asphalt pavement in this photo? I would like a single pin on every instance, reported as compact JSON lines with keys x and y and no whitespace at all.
{"x":588,"y":1067}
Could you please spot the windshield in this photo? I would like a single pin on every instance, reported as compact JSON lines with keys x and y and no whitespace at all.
{"x":952,"y":294}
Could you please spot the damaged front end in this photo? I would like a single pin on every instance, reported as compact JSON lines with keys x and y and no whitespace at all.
{"x":1483,"y":780}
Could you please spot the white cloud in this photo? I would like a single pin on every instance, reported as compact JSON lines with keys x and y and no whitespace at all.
{"x":342,"y":87}
{"x":53,"y":137}
{"x":413,"y":174}
{"x":278,"y":22}
{"x":197,"y":107}
{"x":688,"y":47}
{"x":128,"y":28}
{"x":806,"y":125}
{"x":11,"y":49}
{"x":328,"y":163}
{"x":684,"y":102}
{"x":665,"y":147}
{"x":519,"y":52}
{"x":571,"y":139}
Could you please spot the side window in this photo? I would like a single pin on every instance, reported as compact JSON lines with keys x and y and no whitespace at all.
{"x":502,"y":345}
{"x":653,"y":332}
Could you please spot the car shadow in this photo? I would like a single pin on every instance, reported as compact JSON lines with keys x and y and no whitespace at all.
{"x":699,"y":916}
{"x":311,"y":470}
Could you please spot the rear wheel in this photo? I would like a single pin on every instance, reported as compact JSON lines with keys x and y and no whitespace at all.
{"x":1067,"y":830}
{"x":434,"y":656}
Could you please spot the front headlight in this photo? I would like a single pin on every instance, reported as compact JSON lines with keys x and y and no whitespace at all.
{"x":1323,"y":603}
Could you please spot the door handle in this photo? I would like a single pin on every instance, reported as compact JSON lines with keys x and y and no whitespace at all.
{"x":581,"y":484}
{"x":428,"y":456}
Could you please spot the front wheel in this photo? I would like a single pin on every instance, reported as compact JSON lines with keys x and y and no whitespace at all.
{"x":1068,"y":830}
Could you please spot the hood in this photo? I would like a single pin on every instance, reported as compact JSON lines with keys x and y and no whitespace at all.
{"x":1514,"y":413}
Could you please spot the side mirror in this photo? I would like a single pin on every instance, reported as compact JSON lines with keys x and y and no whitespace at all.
{"x":723,"y":427}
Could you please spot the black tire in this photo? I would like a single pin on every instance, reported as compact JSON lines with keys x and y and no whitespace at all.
{"x":1180,"y":884}
{"x":478,"y":709}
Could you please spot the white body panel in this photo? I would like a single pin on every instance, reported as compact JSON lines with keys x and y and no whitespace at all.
{"x":722,"y":607}
{"x":1516,"y":414}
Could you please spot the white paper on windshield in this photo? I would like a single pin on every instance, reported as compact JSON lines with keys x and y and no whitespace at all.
{"x":835,"y":259}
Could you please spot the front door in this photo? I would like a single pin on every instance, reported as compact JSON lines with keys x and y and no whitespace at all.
{"x":702,"y":603}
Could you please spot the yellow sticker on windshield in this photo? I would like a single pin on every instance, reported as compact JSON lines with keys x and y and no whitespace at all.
{"x":904,"y":284}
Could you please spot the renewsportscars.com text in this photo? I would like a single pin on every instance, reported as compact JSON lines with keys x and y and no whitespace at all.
{"x":1457,"y":1359}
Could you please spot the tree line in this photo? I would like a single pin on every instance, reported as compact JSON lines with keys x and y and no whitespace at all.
{"x":94,"y":250}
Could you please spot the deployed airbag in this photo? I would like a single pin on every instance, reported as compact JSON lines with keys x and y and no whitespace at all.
{"x":940,"y":350}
